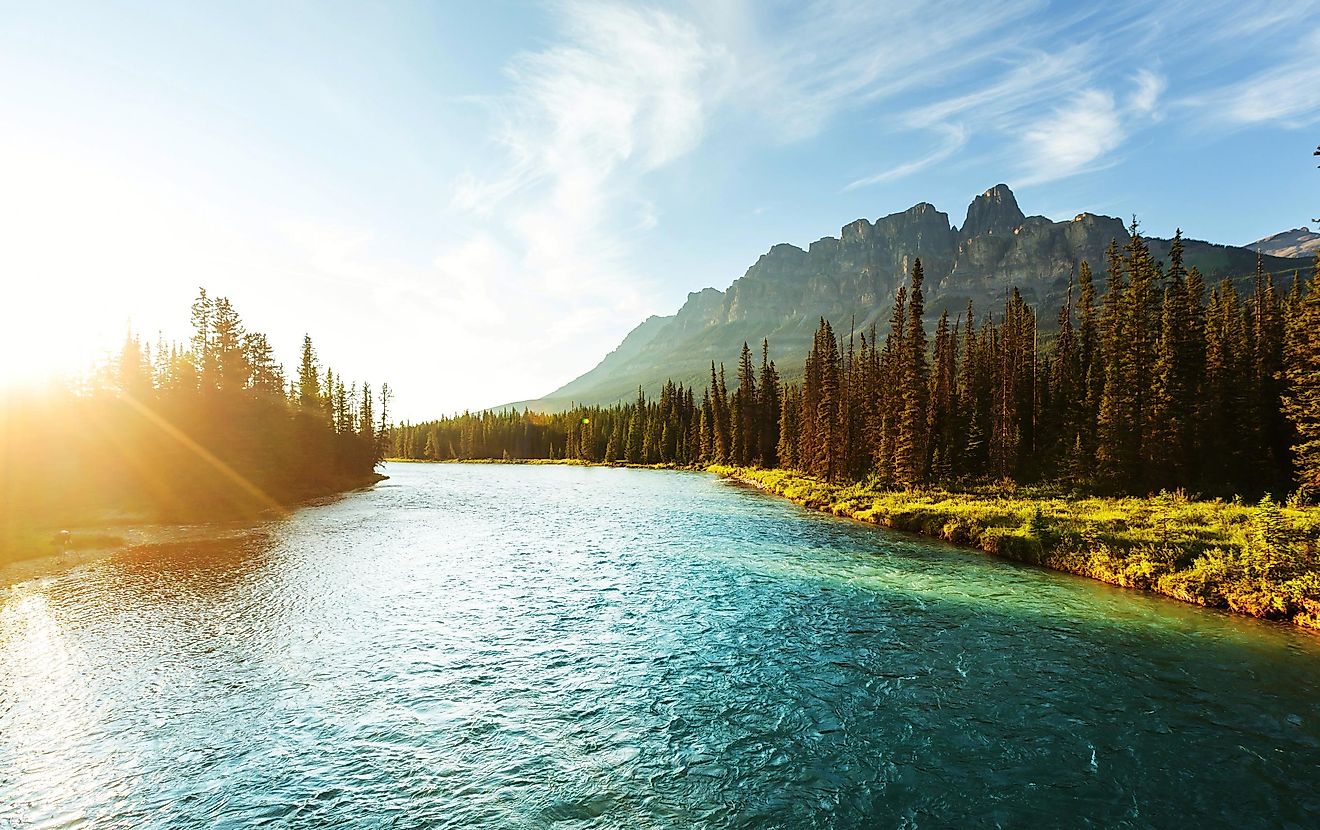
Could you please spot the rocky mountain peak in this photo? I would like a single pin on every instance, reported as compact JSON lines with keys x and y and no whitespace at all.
{"x":994,"y":212}
{"x":851,"y":279}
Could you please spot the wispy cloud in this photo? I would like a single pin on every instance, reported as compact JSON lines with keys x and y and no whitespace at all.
{"x":1072,"y":138}
{"x":1288,"y":91}
{"x":549,"y":228}
{"x":545,"y":233}
{"x":1149,"y":87}
{"x":955,"y":138}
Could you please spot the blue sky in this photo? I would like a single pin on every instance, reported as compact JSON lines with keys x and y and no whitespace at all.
{"x":475,"y":201}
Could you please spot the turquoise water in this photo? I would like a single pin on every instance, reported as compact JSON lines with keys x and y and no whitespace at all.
{"x":542,"y":646}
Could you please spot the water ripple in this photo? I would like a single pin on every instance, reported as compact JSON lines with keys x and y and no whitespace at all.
{"x":553,"y":647}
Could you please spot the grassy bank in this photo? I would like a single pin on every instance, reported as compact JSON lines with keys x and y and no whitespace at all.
{"x":1257,"y":559}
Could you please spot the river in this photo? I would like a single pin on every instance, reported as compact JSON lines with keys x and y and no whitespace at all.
{"x":546,"y":646}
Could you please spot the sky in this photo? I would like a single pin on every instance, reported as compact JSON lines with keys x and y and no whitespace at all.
{"x":475,"y":202}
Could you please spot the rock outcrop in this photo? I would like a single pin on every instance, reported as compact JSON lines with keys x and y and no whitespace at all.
{"x":993,"y":213}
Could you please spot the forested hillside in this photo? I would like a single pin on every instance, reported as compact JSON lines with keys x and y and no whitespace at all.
{"x":1153,"y":381}
{"x":851,"y":280}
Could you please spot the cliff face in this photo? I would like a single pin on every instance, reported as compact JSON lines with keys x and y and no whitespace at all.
{"x":852,"y":278}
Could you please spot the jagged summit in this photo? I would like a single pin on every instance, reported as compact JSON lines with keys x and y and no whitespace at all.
{"x":853,"y":277}
{"x":994,"y":212}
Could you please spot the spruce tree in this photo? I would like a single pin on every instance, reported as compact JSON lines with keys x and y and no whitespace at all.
{"x":910,"y":445}
{"x":1175,"y":380}
{"x":745,"y":420}
{"x":1301,"y":398}
{"x":1092,"y":373}
{"x":1067,"y":399}
{"x":1227,"y":383}
{"x":768,"y":410}
{"x":790,"y":412}
{"x":309,"y":380}
{"x":1117,"y":437}
{"x":824,"y":463}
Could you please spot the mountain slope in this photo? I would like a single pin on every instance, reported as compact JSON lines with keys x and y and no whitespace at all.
{"x":1297,"y":242}
{"x":853,"y":277}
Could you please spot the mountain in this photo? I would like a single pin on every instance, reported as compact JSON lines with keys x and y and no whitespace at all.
{"x":1298,"y":242}
{"x":854,"y":276}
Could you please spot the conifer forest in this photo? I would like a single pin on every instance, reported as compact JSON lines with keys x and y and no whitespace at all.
{"x":210,"y":428}
{"x":1150,"y":380}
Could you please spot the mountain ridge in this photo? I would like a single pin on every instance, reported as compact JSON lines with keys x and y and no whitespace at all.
{"x":1297,"y":242}
{"x":853,"y":277}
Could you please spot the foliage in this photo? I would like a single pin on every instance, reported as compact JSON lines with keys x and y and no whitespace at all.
{"x":1148,"y":387}
{"x":203,"y":430}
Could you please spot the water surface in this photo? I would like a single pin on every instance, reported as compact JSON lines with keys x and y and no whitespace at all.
{"x":542,"y":646}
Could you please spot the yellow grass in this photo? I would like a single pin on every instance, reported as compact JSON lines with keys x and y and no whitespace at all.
{"x":1258,"y":559}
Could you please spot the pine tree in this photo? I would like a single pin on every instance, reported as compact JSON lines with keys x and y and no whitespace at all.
{"x":1301,"y":398}
{"x":1227,"y":381}
{"x":309,"y":381}
{"x":719,"y":398}
{"x":943,"y":401}
{"x":1176,"y":380}
{"x":1117,"y":437}
{"x":366,"y":421}
{"x":633,"y":450}
{"x":808,"y":433}
{"x":1274,"y":462}
{"x":790,"y":412}
{"x":1142,"y":322}
{"x":231,"y":369}
{"x":1068,"y":393}
{"x":1092,"y":374}
{"x":203,"y":355}
{"x":910,"y":446}
{"x":745,"y":420}
{"x":888,"y":406}
{"x":821,"y":433}
{"x":768,"y":410}
{"x":973,"y":396}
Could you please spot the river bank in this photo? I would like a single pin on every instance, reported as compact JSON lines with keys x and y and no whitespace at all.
{"x":36,"y":547}
{"x":1259,"y":560}
{"x":93,"y":542}
{"x":493,"y":646}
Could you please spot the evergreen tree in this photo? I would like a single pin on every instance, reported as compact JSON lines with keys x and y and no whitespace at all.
{"x":1068,"y":397}
{"x":745,"y":419}
{"x":789,"y":424}
{"x":1092,"y":374}
{"x":309,"y":381}
{"x":1117,"y":436}
{"x":1227,"y":381}
{"x":910,"y":446}
{"x":768,"y":410}
{"x":1176,"y":381}
{"x":1301,"y":398}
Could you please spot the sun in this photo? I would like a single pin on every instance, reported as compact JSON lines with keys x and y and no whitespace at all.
{"x":89,"y":248}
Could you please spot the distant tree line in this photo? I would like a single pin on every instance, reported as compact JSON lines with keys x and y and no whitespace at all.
{"x":204,"y":428}
{"x":1156,"y":383}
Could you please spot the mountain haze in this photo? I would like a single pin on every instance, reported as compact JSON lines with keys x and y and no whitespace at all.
{"x":854,"y":277}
